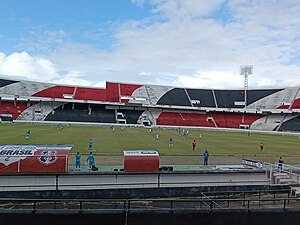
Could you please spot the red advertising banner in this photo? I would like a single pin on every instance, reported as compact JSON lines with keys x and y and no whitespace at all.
{"x":141,"y":161}
{"x":34,"y":158}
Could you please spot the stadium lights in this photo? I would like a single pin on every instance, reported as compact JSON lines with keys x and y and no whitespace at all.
{"x":246,"y":70}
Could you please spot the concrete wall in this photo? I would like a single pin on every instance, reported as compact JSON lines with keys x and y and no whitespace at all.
{"x":141,"y":193}
{"x":225,"y":217}
{"x":129,"y":180}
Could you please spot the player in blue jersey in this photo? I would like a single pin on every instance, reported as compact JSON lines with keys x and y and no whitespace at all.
{"x":91,"y":144}
{"x":91,"y":160}
{"x":77,"y":160}
{"x":170,"y":142}
{"x":205,"y":157}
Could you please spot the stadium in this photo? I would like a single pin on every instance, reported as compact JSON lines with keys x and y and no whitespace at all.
{"x":127,"y":122}
{"x":268,"y":109}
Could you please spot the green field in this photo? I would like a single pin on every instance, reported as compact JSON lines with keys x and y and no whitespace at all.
{"x":109,"y":142}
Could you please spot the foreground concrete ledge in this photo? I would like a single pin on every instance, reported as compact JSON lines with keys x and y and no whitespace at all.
{"x":137,"y":173}
{"x":141,"y":193}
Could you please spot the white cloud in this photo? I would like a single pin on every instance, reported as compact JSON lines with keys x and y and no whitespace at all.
{"x":178,"y":9}
{"x":101,"y":84}
{"x":184,"y":43}
{"x":74,"y":78}
{"x":23,"y":65}
{"x":190,"y":40}
{"x":208,"y":79}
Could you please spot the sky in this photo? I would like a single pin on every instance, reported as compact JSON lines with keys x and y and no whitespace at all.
{"x":181,"y":43}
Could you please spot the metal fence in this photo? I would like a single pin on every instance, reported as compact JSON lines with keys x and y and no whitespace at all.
{"x":278,"y":174}
{"x":101,"y":205}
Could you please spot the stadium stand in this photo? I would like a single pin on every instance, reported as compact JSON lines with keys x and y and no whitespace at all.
{"x":270,"y":122}
{"x":254,"y":95}
{"x":6,"y":118}
{"x":219,"y":120}
{"x":227,"y":98}
{"x":127,"y":90}
{"x":131,"y":116}
{"x":4,"y":82}
{"x":95,"y":94}
{"x":112,"y":92}
{"x":38,"y":111}
{"x":275,"y":100}
{"x":78,"y":112}
{"x":184,"y":119}
{"x":201,"y":98}
{"x":291,"y":125}
{"x":295,"y":104}
{"x":22,"y":88}
{"x":12,"y":108}
{"x":267,"y":109}
{"x":57,"y":92}
{"x":151,"y":93}
{"x":177,"y":96}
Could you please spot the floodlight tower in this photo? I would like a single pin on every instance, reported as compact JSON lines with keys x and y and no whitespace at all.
{"x":246,"y":70}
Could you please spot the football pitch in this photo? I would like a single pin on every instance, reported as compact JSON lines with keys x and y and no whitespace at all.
{"x":113,"y":141}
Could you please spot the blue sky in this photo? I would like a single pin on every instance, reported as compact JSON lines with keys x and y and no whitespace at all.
{"x":185,"y":43}
{"x":21,"y":19}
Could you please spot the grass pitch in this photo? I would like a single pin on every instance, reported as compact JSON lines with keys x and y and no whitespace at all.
{"x":107,"y":141}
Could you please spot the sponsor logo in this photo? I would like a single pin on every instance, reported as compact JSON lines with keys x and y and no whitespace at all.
{"x":12,"y":150}
{"x":252,"y":163}
{"x":48,"y":157}
{"x":13,"y":153}
{"x":141,"y":152}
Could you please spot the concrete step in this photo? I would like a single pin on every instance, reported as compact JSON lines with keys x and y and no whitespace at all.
{"x":280,"y":175}
{"x":285,"y":181}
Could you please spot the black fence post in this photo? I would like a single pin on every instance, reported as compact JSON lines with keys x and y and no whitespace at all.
{"x":80,"y":206}
{"x":56,"y":182}
{"x":34,"y":207}
{"x":128,"y":205}
{"x":227,"y":199}
{"x":201,"y":201}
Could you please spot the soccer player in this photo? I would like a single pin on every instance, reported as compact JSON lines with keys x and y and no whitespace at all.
{"x":194,"y":144}
{"x":171,"y":142}
{"x":77,"y":160}
{"x":184,"y":134}
{"x":91,"y":160}
{"x":27,"y":134}
{"x":157,"y":136}
{"x":112,"y":128}
{"x":205,"y":157}
{"x":91,"y":144}
{"x":261,"y":146}
{"x":280,"y":162}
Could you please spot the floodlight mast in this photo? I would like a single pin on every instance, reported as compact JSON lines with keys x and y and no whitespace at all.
{"x":246,"y":70}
